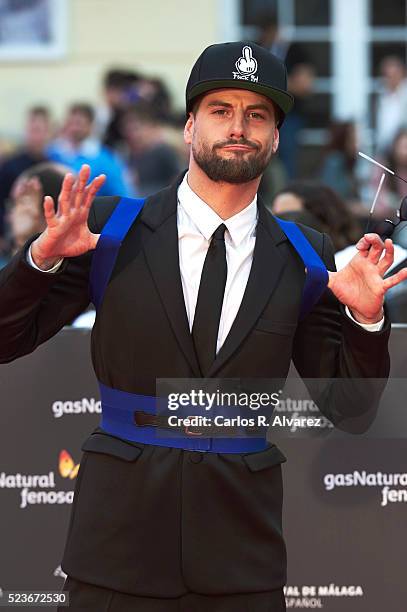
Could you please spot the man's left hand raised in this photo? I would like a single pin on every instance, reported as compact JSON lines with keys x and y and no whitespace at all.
{"x":360,"y":284}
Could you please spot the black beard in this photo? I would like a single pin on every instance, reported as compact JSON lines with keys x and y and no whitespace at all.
{"x":235,"y":170}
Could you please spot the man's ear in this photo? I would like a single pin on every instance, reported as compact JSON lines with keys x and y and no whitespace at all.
{"x":276,"y":140}
{"x":189,"y":129}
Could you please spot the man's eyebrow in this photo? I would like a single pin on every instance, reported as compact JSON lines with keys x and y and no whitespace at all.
{"x":259,"y":106}
{"x":219,"y":103}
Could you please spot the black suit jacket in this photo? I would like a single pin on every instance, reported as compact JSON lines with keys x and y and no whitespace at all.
{"x":158,"y":521}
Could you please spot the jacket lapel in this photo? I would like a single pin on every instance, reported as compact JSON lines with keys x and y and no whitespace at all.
{"x":161,"y":251}
{"x":267,"y":266}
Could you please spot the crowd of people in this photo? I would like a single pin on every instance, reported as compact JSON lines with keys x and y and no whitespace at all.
{"x":135,"y":137}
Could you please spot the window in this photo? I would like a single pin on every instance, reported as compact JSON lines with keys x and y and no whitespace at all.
{"x":387,"y":13}
{"x":312,"y":13}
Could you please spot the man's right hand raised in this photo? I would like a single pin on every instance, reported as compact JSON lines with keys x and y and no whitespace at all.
{"x":67,"y":233}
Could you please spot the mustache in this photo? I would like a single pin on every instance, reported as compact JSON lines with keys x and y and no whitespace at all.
{"x":241,"y":141}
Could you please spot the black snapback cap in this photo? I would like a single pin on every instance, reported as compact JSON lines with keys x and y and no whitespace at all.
{"x":240,"y":65}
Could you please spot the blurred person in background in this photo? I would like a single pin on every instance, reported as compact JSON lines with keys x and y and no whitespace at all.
{"x":37,"y":134}
{"x":155,"y":93}
{"x":301,"y":75}
{"x":25,"y":214}
{"x":321,"y":204}
{"x":118,"y":90}
{"x":153,"y":162}
{"x":123,"y":89}
{"x":339,"y":161}
{"x":78,"y":145}
{"x":393,"y":189}
{"x":319,"y":207}
{"x":301,"y":78}
{"x":396,"y":297}
{"x":269,"y":35}
{"x":273,"y":180}
{"x":391,"y":112}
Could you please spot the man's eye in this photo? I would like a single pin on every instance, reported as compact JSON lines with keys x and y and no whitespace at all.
{"x":220,"y":111}
{"x":255,"y":115}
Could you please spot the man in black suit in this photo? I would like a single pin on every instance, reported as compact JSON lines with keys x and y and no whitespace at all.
{"x":156,"y":527}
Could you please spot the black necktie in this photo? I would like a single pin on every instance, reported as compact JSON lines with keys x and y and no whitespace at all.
{"x":210,"y":298}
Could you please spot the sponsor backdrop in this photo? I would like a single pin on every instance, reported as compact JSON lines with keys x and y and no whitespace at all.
{"x":344,"y":506}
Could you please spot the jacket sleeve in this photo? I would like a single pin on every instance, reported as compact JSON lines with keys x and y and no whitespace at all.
{"x":35,"y":305}
{"x":345,"y":367}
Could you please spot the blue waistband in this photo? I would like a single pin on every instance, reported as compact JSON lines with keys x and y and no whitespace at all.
{"x":118,"y":409}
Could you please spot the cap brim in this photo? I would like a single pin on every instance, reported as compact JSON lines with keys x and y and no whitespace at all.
{"x":283,"y":99}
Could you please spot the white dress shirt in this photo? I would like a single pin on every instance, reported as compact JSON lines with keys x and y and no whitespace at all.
{"x":391,"y":115}
{"x":196,"y":224}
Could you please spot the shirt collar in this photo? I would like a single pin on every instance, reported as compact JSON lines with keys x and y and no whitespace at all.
{"x":206,"y":220}
{"x":89,"y":147}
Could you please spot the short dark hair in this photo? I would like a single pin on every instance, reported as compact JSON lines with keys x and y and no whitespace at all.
{"x":83,"y":108}
{"x":328,"y":208}
{"x":51,"y":176}
{"x":142,"y":111}
{"x":195,"y":104}
{"x":119,"y":78}
{"x":39,"y":111}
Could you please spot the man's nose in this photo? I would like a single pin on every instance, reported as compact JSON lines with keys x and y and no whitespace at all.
{"x":238,"y":126}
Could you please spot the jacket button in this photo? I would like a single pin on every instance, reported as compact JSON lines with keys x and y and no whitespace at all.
{"x":195,"y":457}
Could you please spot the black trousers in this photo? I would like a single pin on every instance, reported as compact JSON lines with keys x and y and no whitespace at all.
{"x":84,"y":596}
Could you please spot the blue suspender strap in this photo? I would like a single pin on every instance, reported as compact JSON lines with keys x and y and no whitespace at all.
{"x":118,"y":406}
{"x":107,"y":248}
{"x":317,"y":277}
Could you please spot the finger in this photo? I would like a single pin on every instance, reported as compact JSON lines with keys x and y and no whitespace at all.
{"x":395,"y":279}
{"x":83,"y":178}
{"x":94,"y":187}
{"x":387,"y":260}
{"x":247,"y":54}
{"x":82,"y":208}
{"x":365,"y":242}
{"x":73,"y":195}
{"x":66,"y":192}
{"x":363,"y":246}
{"x":376,"y":247}
{"x":49,"y":210}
